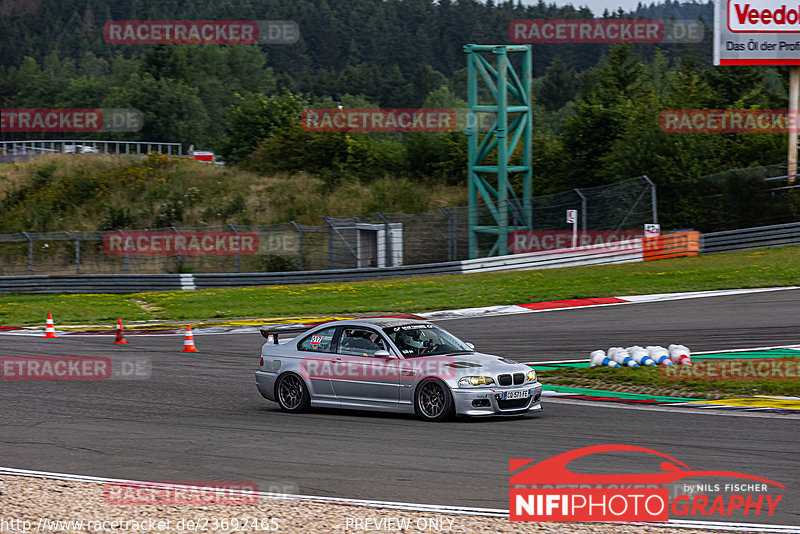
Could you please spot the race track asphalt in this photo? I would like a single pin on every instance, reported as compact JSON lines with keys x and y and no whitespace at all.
{"x":199,"y":416}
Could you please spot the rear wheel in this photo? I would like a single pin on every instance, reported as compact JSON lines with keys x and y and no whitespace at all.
{"x":292,"y":393}
{"x":433,"y":401}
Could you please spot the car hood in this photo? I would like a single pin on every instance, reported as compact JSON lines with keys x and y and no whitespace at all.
{"x":479,"y":363}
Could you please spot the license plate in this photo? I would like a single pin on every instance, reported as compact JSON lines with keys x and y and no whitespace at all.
{"x":518,"y":394}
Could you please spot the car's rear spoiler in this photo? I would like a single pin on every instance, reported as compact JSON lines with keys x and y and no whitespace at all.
{"x":274,"y":331}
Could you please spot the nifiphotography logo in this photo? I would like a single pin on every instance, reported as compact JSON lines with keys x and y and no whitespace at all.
{"x":549,"y":491}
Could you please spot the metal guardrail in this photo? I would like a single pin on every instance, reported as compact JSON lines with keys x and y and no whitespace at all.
{"x":778,"y":235}
{"x":97,"y":283}
{"x":133,"y":283}
{"x":87,"y":146}
{"x":764,"y":236}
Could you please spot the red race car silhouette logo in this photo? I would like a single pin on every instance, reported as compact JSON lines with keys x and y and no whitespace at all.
{"x":550,"y":491}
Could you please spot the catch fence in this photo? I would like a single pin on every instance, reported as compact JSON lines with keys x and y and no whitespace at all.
{"x":373,"y":240}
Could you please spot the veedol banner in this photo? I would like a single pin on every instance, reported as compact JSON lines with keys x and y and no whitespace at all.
{"x":756,"y":32}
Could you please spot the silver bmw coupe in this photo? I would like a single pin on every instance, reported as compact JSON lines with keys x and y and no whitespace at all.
{"x":393,"y":365}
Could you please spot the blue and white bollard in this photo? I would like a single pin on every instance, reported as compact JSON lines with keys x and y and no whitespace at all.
{"x":621,"y":356}
{"x":598,"y":358}
{"x":640,"y":355}
{"x":659,"y":354}
{"x":680,"y":355}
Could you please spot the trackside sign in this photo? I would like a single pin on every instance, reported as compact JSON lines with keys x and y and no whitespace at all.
{"x":756,"y":32}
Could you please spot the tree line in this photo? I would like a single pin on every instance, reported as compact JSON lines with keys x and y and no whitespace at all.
{"x":596,"y":106}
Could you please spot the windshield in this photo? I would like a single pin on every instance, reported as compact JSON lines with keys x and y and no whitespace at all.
{"x":415,"y":340}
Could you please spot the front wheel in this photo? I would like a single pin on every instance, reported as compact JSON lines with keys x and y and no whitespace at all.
{"x":292,"y":393}
{"x":433,"y":401}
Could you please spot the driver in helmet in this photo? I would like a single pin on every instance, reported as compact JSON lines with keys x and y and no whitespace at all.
{"x":413,"y":341}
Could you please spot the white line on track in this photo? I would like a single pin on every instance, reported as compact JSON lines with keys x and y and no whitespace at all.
{"x":411,"y":507}
{"x":486,"y":311}
{"x":672,"y":408}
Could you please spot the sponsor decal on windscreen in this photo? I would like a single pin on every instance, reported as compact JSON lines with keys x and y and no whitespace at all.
{"x":549,"y":491}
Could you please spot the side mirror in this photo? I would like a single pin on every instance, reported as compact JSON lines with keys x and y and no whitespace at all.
{"x":470,"y":345}
{"x":382,"y":354}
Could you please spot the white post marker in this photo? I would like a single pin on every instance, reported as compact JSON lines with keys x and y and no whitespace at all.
{"x":572,"y":217}
{"x":652,"y":230}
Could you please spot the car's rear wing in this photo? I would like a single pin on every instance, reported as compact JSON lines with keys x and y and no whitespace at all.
{"x":274,"y":331}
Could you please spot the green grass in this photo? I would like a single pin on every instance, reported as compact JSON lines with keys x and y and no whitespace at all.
{"x":648,"y":380}
{"x":106,"y":191}
{"x":762,"y":268}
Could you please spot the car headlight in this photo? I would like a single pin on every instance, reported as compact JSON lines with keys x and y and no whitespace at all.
{"x":468,"y":381}
{"x":532,"y":375}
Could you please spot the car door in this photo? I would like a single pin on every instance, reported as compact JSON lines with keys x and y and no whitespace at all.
{"x":361,"y":379}
{"x":317,"y":356}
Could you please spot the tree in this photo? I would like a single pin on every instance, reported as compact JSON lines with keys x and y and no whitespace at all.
{"x":172,"y":111}
{"x":256,"y":118}
{"x":558,"y":85}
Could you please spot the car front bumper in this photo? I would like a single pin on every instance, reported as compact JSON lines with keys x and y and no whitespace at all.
{"x":478,"y":402}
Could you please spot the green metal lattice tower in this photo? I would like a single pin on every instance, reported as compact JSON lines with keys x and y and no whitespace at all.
{"x":495,"y":209}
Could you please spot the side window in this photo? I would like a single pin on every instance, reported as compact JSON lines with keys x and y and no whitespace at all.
{"x":319,"y":341}
{"x":360,"y":342}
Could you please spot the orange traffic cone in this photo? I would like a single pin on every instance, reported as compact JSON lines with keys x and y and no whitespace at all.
{"x":50,"y":331}
{"x":188,"y":341}
{"x":120,"y":334}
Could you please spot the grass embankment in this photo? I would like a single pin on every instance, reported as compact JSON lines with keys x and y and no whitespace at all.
{"x":91,"y":192}
{"x":763,"y":268}
{"x":650,"y":381}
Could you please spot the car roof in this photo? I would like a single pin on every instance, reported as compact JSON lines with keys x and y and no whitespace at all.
{"x":382,"y":322}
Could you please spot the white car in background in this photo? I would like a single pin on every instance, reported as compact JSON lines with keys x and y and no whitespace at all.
{"x":80,"y":149}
